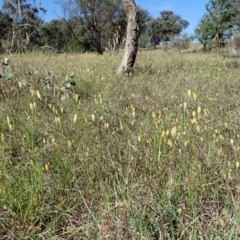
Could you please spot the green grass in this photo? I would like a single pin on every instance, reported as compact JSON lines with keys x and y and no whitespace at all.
{"x":152,"y":156}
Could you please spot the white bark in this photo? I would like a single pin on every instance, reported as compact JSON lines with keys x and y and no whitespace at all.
{"x":131,"y":45}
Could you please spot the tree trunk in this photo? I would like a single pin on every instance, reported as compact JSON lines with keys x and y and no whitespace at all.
{"x":98,"y":44}
{"x":131,"y":45}
{"x":99,"y":48}
{"x":154,"y":45}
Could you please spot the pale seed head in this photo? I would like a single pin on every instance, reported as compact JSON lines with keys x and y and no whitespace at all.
{"x":185,"y":106}
{"x":174,"y":131}
{"x":39,"y":95}
{"x":194,"y":95}
{"x":75,"y":118}
{"x":93,"y":117}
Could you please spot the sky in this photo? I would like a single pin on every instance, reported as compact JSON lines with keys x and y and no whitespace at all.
{"x":190,"y":10}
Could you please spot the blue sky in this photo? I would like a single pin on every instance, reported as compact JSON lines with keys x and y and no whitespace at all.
{"x":190,"y":10}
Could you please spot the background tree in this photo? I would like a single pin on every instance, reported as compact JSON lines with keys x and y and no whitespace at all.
{"x":86,"y":26}
{"x":25,"y":22}
{"x":5,"y":31}
{"x":95,"y":16}
{"x":57,"y":35}
{"x":205,"y":32}
{"x":216,"y":25}
{"x":235,"y":10}
{"x":144,"y":17}
{"x":54,"y":34}
{"x":154,"y":32}
{"x":104,"y":21}
{"x":236,"y":42}
{"x":164,"y":28}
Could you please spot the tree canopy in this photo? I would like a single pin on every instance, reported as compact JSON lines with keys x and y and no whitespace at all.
{"x":168,"y":25}
{"x":21,"y":22}
{"x":218,"y":23}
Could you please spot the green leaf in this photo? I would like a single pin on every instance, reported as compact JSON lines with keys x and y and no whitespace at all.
{"x":5,"y":61}
{"x":7,"y":76}
{"x":22,"y":83}
{"x":68,"y":85}
{"x":30,"y":67}
{"x":72,"y":82}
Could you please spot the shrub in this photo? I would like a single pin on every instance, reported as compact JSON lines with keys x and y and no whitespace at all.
{"x":181,"y":42}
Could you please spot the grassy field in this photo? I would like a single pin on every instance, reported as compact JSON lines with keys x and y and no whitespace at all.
{"x":155,"y":155}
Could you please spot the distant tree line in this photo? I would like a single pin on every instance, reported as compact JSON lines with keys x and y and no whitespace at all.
{"x":92,"y":25}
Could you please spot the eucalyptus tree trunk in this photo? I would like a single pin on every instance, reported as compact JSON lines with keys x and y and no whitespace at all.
{"x":131,"y":45}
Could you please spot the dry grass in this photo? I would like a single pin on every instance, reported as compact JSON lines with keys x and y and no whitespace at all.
{"x":151,"y":156}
